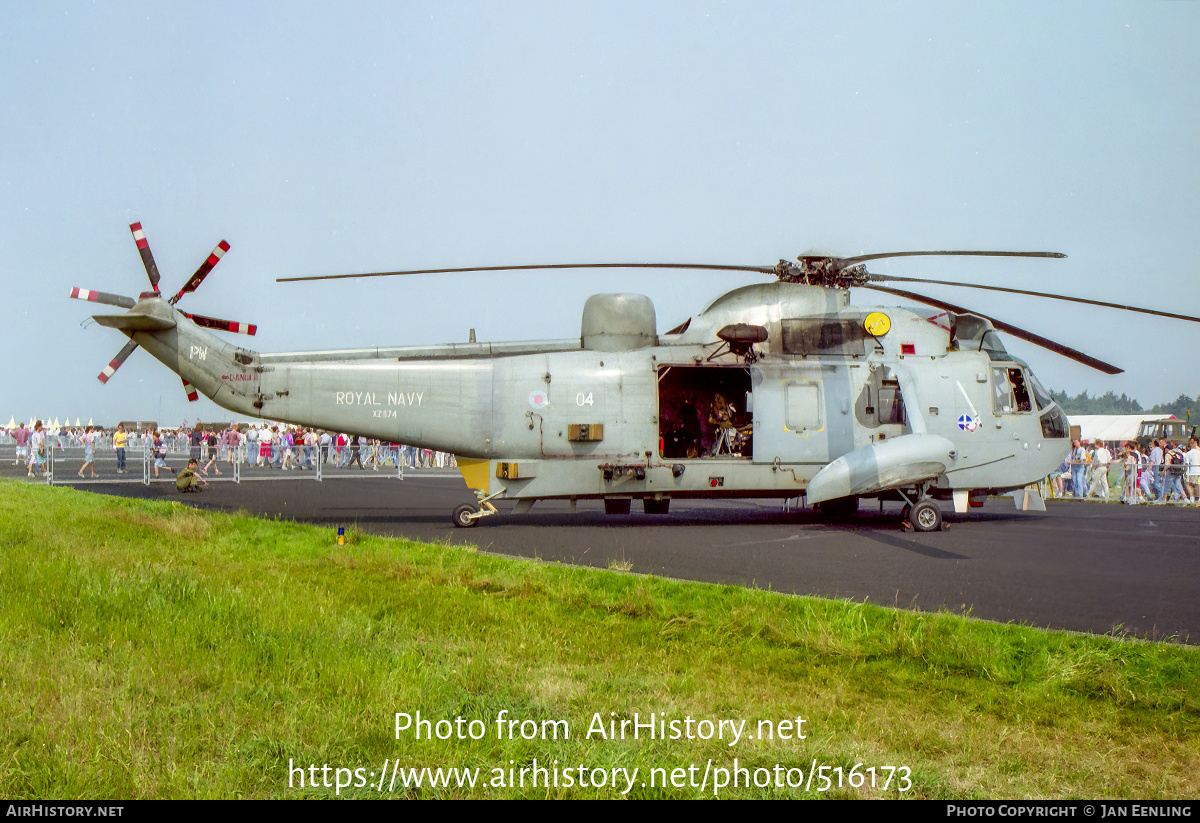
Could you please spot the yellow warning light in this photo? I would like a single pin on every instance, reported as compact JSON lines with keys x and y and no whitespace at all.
{"x":877,"y":324}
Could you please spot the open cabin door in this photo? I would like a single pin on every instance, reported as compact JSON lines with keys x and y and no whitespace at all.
{"x":705,"y":412}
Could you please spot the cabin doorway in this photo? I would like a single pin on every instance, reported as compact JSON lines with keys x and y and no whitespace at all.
{"x":705,"y":412}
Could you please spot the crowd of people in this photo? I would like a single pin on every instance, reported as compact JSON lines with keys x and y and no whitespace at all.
{"x":270,"y":446}
{"x":1162,"y":472}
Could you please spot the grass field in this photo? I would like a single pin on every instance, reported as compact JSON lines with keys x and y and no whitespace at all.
{"x":150,"y":650}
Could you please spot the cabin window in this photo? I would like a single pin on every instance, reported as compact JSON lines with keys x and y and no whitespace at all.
{"x":891,"y":404}
{"x":881,"y":403}
{"x":803,"y":406}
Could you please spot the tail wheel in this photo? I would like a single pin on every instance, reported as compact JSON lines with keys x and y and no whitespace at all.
{"x":926,"y":516}
{"x":462,"y":517}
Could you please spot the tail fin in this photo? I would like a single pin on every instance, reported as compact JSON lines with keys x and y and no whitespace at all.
{"x":134,"y":322}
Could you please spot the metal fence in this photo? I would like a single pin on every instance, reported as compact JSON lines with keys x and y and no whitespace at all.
{"x":64,"y":462}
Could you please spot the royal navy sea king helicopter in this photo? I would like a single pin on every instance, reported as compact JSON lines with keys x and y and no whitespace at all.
{"x":781,"y":389}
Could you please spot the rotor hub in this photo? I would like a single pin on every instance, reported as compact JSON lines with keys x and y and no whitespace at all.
{"x":822,"y":271}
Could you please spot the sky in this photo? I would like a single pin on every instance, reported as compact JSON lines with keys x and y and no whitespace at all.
{"x":321,"y":138}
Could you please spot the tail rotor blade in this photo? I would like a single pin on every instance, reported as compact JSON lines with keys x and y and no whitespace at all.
{"x":221,"y":325}
{"x":192,"y":396}
{"x":196,"y":279}
{"x":139,"y":237}
{"x":103,"y":297}
{"x":116,"y":362}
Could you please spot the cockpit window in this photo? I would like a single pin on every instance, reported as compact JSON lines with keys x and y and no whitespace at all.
{"x":1042,"y":396}
{"x":991,"y":343}
{"x":1010,"y":394}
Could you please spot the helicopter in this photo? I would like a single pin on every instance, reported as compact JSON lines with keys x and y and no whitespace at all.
{"x":780,"y":389}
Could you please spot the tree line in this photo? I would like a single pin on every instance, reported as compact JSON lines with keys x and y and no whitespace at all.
{"x":1109,"y":403}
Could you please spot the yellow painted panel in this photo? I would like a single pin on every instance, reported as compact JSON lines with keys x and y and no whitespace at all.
{"x":475,"y":473}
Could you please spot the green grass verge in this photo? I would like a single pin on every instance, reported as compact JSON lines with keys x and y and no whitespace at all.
{"x":150,"y":650}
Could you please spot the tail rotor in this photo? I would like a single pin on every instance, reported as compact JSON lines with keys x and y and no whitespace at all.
{"x":143,"y":245}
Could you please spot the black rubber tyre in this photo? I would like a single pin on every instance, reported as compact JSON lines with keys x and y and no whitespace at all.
{"x":652,"y":506}
{"x":926,"y":516}
{"x":617,"y":505}
{"x":461,"y":518}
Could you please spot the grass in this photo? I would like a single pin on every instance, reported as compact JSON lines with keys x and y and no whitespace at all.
{"x":151,"y":650}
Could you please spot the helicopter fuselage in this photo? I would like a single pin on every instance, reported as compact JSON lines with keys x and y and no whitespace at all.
{"x":775,"y":390}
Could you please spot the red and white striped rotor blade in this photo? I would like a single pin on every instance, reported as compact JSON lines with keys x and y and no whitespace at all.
{"x":116,"y":362}
{"x":196,"y":279}
{"x":222,"y":325}
{"x":103,"y":297}
{"x":191,"y":391}
{"x":139,"y":237}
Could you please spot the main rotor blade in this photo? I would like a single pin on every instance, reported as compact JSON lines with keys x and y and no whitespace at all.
{"x":686,"y":266}
{"x":222,"y":325}
{"x":116,"y":362}
{"x":103,"y":297}
{"x":196,"y":279}
{"x":143,"y":245}
{"x":1029,"y":337}
{"x":845,"y":262}
{"x":887,"y":278}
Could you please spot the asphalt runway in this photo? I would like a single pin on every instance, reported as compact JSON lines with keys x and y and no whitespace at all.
{"x":1128,"y":570}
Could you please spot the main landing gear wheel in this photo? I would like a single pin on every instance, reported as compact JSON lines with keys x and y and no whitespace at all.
{"x":926,"y":516}
{"x":463,"y":519}
{"x":652,"y":506}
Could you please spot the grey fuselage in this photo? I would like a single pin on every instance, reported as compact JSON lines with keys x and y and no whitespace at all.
{"x":815,"y":390}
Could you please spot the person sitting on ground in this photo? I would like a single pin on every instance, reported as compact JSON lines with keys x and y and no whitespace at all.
{"x":188,"y":480}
